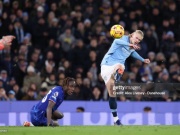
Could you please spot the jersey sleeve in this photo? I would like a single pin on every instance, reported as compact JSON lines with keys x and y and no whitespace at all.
{"x":135,"y":55}
{"x":54,"y":97}
{"x":121,"y":42}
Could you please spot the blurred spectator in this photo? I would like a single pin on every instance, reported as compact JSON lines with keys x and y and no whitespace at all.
{"x":4,"y":78}
{"x":132,"y":78}
{"x":151,"y":41}
{"x":54,"y":9}
{"x":67,"y":68}
{"x":67,"y":40}
{"x":31,"y":77}
{"x":7,"y":64}
{"x":122,"y":98}
{"x":168,"y":44}
{"x":26,"y":22}
{"x":57,"y":55}
{"x":137,"y":98}
{"x":19,"y":94}
{"x":30,"y":94}
{"x":77,"y":95}
{"x":80,"y":109}
{"x":79,"y":54}
{"x":40,"y":37}
{"x":147,"y":109}
{"x":19,"y":31}
{"x":177,"y":95}
{"x":42,"y":93}
{"x":46,"y":71}
{"x":166,"y":97}
{"x":61,"y":77}
{"x":20,"y":69}
{"x":86,"y":89}
{"x":12,"y":95}
{"x":64,"y":6}
{"x":50,"y":81}
{"x":3,"y":96}
{"x":96,"y":94}
{"x":164,"y":78}
{"x":35,"y":60}
{"x":10,"y":84}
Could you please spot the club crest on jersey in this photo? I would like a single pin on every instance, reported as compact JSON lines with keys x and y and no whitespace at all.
{"x":55,"y":94}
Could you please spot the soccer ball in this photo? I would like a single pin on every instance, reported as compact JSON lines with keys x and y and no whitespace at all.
{"x":117,"y":31}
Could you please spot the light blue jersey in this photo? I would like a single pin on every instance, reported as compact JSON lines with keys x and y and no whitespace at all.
{"x":119,"y":52}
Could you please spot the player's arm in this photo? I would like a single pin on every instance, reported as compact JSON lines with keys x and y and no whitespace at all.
{"x":137,"y":56}
{"x":49,"y":112}
{"x":6,"y":40}
{"x":125,"y":43}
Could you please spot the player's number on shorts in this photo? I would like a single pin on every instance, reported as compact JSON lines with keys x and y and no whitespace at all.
{"x":44,"y":99}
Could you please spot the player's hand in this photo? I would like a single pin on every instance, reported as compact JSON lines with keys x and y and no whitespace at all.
{"x":7,"y":40}
{"x":134,"y":46}
{"x":147,"y":61}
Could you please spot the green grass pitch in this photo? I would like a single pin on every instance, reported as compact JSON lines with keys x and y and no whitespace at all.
{"x":92,"y":130}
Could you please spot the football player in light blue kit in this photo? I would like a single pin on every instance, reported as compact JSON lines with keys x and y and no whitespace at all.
{"x":112,"y":65}
{"x":45,"y":113}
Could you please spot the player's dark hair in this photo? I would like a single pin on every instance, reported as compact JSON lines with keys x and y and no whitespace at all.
{"x":67,"y":80}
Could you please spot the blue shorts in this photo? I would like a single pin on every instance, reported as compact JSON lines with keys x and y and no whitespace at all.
{"x":38,"y":118}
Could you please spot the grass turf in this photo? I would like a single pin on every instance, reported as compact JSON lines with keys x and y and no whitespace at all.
{"x":92,"y":130}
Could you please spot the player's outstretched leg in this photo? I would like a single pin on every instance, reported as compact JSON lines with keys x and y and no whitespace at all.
{"x":118,"y":71}
{"x":109,"y":75}
{"x":113,"y":102}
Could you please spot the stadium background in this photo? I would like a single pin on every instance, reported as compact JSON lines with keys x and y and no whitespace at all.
{"x":59,"y":38}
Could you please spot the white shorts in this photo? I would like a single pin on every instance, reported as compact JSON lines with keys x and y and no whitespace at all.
{"x":107,"y":71}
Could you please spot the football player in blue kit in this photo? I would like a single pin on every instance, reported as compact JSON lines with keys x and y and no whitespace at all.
{"x":45,"y":113}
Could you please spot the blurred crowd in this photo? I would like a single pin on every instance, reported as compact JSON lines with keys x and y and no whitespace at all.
{"x":60,"y":38}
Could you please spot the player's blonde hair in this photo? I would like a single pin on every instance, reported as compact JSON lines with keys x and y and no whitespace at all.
{"x":139,"y":32}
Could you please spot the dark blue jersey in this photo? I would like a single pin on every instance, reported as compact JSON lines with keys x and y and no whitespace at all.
{"x":55,"y":95}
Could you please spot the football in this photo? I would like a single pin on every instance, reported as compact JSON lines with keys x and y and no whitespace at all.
{"x":117,"y":31}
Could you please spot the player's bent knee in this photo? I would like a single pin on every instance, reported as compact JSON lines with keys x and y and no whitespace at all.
{"x":57,"y":115}
{"x":120,"y":69}
{"x":61,"y":115}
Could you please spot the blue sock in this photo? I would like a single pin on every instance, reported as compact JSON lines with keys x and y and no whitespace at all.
{"x":113,"y":106}
{"x":117,"y":76}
